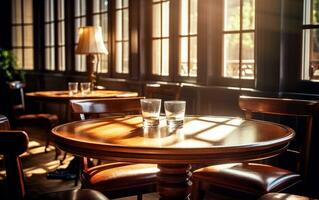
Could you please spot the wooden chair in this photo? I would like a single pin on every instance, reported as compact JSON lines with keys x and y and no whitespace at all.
{"x":255,"y":179}
{"x":169,"y":92}
{"x":13,"y":144}
{"x":115,"y":179}
{"x":283,"y":196}
{"x":21,"y":119}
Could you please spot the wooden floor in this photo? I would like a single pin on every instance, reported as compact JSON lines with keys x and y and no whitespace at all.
{"x":36,"y":164}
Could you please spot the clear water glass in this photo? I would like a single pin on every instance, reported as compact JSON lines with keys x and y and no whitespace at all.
{"x":150,"y":111}
{"x":85,"y":88}
{"x":73,"y":88}
{"x":175,"y":113}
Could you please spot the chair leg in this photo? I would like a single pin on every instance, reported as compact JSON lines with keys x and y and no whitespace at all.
{"x":140,"y":197}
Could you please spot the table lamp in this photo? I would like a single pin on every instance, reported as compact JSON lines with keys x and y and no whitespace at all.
{"x":91,"y":44}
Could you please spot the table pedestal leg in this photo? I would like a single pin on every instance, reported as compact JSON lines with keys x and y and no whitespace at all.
{"x":174,"y":181}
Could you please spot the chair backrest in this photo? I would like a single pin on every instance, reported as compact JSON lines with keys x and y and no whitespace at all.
{"x":13,"y":144}
{"x":16,"y":96}
{"x":170,"y":92}
{"x":93,"y":108}
{"x":4,"y":123}
{"x":286,"y":107}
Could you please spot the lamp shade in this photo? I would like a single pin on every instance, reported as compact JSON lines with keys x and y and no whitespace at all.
{"x":91,"y":41}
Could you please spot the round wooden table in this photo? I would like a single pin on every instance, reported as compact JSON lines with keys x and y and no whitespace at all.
{"x":205,"y":139}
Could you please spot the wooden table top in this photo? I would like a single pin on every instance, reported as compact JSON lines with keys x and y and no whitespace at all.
{"x":201,"y":139}
{"x":65,"y":96}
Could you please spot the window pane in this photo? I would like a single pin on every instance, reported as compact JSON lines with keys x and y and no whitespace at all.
{"x":231,"y":14}
{"x":60,"y":9}
{"x":28,"y":58}
{"x":125,"y":57}
{"x":156,"y":58}
{"x":125,"y":3}
{"x":96,"y":20}
{"x":156,"y":20}
{"x":193,"y":16}
{"x":118,"y":4}
{"x":119,"y":54}
{"x":184,"y":17}
{"x":183,"y":70}
{"x":104,"y":5}
{"x":104,"y":27}
{"x":248,"y":57}
{"x":18,"y":54}
{"x":125,"y":25}
{"x":28,"y":36}
{"x":193,"y":57}
{"x":165,"y":57}
{"x":311,"y":54}
{"x":96,"y":6}
{"x":17,"y":36}
{"x":248,"y":14}
{"x":61,"y":65}
{"x":315,"y":12}
{"x":231,"y":56}
{"x":165,"y":19}
{"x":103,"y":65}
{"x":27,"y":11}
{"x":61,"y":38}
{"x":119,"y":25}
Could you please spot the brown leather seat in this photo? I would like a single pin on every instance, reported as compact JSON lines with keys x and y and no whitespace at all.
{"x":253,"y":180}
{"x":21,"y":119}
{"x":283,"y":196}
{"x":115,"y":179}
{"x":13,"y":144}
{"x":116,"y":176}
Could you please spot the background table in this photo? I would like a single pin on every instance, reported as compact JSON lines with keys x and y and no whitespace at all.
{"x":203,"y":139}
{"x":63,"y":97}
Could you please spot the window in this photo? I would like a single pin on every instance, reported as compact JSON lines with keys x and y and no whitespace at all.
{"x":100,"y":18}
{"x":49,"y":35}
{"x":160,"y":37}
{"x":79,"y":21}
{"x":310,"y":50}
{"x":238,"y":39}
{"x":122,"y":36}
{"x":188,"y":38}
{"x":22,"y":33}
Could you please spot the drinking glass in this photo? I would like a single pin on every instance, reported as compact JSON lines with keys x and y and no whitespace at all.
{"x":73,"y":88}
{"x":150,"y":111}
{"x":175,"y":113}
{"x":85,"y":88}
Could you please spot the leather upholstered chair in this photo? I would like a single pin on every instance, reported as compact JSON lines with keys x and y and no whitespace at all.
{"x":20,"y":119}
{"x":283,"y":196}
{"x":252,"y":180}
{"x":115,"y":179}
{"x":13,"y":144}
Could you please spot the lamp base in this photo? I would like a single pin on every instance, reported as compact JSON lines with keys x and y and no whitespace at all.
{"x":91,"y":63}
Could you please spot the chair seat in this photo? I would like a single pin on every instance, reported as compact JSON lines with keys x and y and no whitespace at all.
{"x":283,"y":196}
{"x":113,"y":176}
{"x":253,"y":178}
{"x":34,"y":119}
{"x":78,"y":194}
